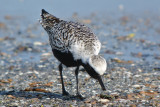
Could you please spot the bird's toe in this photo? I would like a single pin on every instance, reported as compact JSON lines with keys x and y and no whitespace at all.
{"x":65,"y":93}
{"x":80,"y":97}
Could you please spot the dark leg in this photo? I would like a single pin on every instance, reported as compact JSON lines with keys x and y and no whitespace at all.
{"x":63,"y":88}
{"x":76,"y":73}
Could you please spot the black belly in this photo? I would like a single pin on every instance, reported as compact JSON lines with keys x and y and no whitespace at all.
{"x":66,"y":58}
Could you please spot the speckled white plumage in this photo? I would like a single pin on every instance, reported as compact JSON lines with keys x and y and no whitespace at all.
{"x":80,"y":50}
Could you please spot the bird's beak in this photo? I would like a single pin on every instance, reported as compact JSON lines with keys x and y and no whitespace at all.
{"x":101,"y":82}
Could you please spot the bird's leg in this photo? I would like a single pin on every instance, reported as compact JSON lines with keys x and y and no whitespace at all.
{"x":63,"y":88}
{"x":76,"y":73}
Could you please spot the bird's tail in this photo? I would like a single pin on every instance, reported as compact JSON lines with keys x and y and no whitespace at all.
{"x":48,"y":18}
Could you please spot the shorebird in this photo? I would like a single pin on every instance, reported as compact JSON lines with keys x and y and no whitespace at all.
{"x":74,"y":45}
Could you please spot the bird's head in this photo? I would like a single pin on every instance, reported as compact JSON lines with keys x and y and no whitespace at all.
{"x":47,"y":20}
{"x":95,"y":67}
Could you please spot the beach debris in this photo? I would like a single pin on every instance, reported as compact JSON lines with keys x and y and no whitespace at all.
{"x":127,"y":37}
{"x":121,"y":61}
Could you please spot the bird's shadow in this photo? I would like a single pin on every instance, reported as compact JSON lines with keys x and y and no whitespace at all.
{"x":39,"y":95}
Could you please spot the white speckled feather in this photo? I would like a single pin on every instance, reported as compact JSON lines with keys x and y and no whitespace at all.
{"x":80,"y":51}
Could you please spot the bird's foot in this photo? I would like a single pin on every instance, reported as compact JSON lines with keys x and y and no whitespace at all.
{"x":80,"y":96}
{"x":65,"y":93}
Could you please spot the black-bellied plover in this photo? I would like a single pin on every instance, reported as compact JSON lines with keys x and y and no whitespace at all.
{"x":74,"y":45}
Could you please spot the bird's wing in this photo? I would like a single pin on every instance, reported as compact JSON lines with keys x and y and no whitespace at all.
{"x":85,"y":43}
{"x":76,"y":38}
